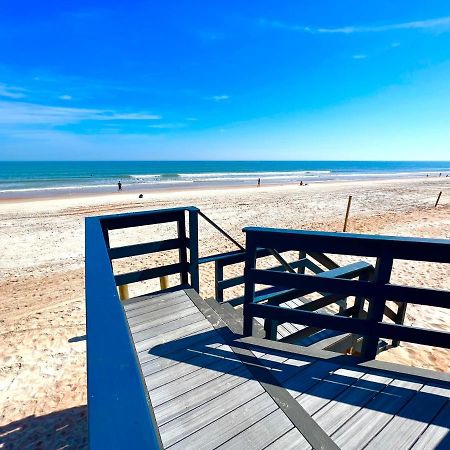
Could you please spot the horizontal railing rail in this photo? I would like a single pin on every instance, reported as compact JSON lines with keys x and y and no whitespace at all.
{"x":186,"y":267}
{"x":374,"y":286}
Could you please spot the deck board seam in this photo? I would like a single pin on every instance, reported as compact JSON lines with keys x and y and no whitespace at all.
{"x":189,"y":373}
{"x":148,"y":307}
{"x":217,"y":418}
{"x":393,"y":416}
{"x":312,"y":432}
{"x":205,"y":402}
{"x":365,"y":404}
{"x":430,"y":423}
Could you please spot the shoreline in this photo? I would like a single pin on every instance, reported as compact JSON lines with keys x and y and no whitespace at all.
{"x":132,"y":194}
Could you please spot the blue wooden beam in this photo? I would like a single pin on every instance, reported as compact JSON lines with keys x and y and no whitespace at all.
{"x":119,"y":409}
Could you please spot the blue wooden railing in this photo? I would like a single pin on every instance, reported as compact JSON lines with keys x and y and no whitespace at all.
{"x":119,"y":409}
{"x":373,"y":284}
{"x":120,"y":412}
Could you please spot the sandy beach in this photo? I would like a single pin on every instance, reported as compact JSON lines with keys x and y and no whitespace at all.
{"x":42,"y":315}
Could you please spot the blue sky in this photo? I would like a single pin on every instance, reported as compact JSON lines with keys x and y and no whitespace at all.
{"x":205,"y":79}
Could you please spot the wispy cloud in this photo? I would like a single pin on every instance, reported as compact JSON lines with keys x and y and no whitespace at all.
{"x":167,"y":125}
{"x":219,"y":98}
{"x":359,"y":56}
{"x":65,"y":97}
{"x":442,"y":23}
{"x":22,"y":113}
{"x":11,"y":91}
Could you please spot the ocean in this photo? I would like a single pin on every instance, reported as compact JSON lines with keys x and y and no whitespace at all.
{"x":29,"y":179}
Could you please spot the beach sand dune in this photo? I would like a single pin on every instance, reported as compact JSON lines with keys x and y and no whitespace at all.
{"x":42,"y":315}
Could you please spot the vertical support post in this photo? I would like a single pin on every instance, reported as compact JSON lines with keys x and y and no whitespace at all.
{"x":375,"y":314}
{"x":193,"y":248}
{"x":164,"y":282}
{"x":105,"y":233}
{"x":249,"y":290}
{"x":347,"y":213}
{"x":400,"y":319}
{"x":182,"y":252}
{"x":437,"y":201}
{"x":301,"y":255}
{"x":123,"y":292}
{"x":218,"y":276}
{"x":359,"y":301}
{"x":271,"y":329}
{"x":359,"y":308}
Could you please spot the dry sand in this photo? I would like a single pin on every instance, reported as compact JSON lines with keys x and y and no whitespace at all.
{"x":42,"y":346}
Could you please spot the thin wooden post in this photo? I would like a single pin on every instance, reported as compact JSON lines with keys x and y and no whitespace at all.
{"x":437,"y":201}
{"x":123,"y":292}
{"x":193,"y":248}
{"x":182,"y":251}
{"x":347,"y":213}
{"x":382,"y":275}
{"x":218,"y":269}
{"x":164,"y":282}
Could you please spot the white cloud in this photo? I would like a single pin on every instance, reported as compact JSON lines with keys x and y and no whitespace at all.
{"x":167,"y":125}
{"x":65,"y":97}
{"x":191,"y":119}
{"x":219,"y":98}
{"x":441,"y":22}
{"x":359,"y":56}
{"x":22,"y":113}
{"x":11,"y":91}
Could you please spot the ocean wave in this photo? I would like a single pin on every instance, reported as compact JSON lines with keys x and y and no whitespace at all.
{"x":215,"y":176}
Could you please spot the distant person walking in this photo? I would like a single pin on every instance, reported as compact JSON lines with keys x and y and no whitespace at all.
{"x":259,"y":182}
{"x":119,"y":185}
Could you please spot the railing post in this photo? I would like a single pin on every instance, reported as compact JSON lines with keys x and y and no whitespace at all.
{"x":249,"y":293}
{"x":301,"y":255}
{"x":123,"y":292}
{"x":400,"y":318}
{"x":164,"y":282}
{"x":375,"y":313}
{"x":271,"y":328}
{"x":218,"y":269}
{"x":193,"y":248}
{"x":182,"y":252}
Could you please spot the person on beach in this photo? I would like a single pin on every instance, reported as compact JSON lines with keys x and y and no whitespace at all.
{"x":119,"y":185}
{"x":259,"y":182}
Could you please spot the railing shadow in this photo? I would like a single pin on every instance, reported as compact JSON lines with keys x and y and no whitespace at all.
{"x":61,"y":429}
{"x":321,"y":378}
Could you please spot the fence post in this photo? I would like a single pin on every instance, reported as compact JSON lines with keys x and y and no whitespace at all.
{"x":400,"y":319}
{"x":218,"y":276}
{"x":347,"y":213}
{"x":301,"y":255}
{"x":123,"y":292}
{"x":193,"y":248}
{"x":164,"y":282}
{"x":182,"y":252}
{"x":250,"y":262}
{"x":375,"y":313}
{"x":437,"y":201}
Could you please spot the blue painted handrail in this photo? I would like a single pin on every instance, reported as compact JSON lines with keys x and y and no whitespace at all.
{"x":377,"y":289}
{"x":119,"y":410}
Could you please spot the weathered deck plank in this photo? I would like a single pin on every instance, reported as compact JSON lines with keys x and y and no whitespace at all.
{"x":437,"y":434}
{"x":367,"y":423}
{"x":204,"y":396}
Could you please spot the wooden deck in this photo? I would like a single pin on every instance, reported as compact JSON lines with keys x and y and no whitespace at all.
{"x":210,"y":388}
